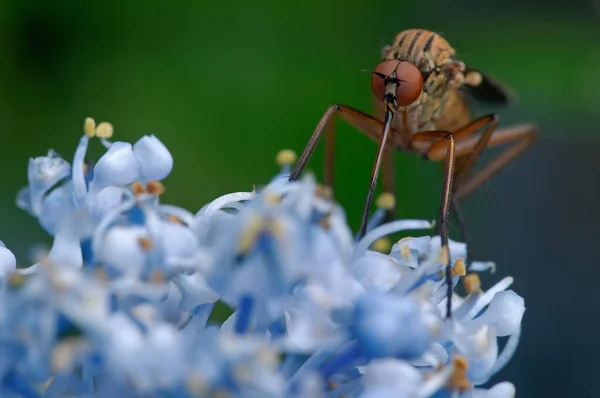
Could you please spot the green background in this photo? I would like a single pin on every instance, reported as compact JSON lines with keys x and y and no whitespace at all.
{"x":226,"y":85}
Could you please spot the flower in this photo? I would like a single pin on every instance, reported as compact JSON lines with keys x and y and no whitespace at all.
{"x":123,"y":304}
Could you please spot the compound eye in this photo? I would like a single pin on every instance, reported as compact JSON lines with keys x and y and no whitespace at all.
{"x":411,"y":83}
{"x":378,"y":76}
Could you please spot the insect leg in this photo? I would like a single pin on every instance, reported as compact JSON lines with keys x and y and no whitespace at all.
{"x":369,"y":125}
{"x":388,"y":180}
{"x":374,"y":174}
{"x":521,"y":137}
{"x":444,"y":205}
{"x":464,"y":165}
{"x":463,"y":228}
{"x":329,"y":152}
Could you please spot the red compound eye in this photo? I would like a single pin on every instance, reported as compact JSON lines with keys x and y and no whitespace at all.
{"x":409,"y":87}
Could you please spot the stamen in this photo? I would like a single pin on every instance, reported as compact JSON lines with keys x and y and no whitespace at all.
{"x":138,"y":188}
{"x":155,"y":188}
{"x":101,"y":274}
{"x":444,"y":257}
{"x":472,"y":283}
{"x":272,"y":198}
{"x":386,"y":201}
{"x":89,"y":127}
{"x":250,"y":233}
{"x":174,"y":219}
{"x":158,"y":277}
{"x":458,"y":380}
{"x":104,"y":130}
{"x":324,"y":191}
{"x":382,"y":245}
{"x":286,"y":157}
{"x":145,"y":243}
{"x":17,"y":279}
{"x":459,"y":268}
{"x":325,"y":221}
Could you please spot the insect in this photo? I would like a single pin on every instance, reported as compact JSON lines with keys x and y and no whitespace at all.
{"x":422,"y":92}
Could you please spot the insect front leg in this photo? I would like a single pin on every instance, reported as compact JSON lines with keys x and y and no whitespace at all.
{"x":429,"y":136}
{"x":367,"y":124}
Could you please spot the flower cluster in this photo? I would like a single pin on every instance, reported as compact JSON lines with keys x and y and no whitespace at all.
{"x":122,"y":303}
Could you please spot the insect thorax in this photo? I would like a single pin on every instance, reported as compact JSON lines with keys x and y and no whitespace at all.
{"x":441,"y":71}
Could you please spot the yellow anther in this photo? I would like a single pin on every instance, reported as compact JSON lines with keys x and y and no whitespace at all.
{"x":286,"y":157}
{"x":405,"y":251}
{"x":458,"y":380}
{"x":472,"y":283}
{"x":104,"y":130}
{"x":145,"y":243}
{"x":155,"y":188}
{"x":174,"y":219}
{"x":16,"y":279}
{"x":272,"y":198}
{"x":101,"y":274}
{"x":276,"y":227}
{"x":326,"y":221}
{"x":405,"y":239}
{"x":221,"y":393}
{"x":138,"y":188}
{"x":248,"y":237}
{"x":382,"y":245}
{"x":63,"y":356}
{"x":196,"y":384}
{"x":44,"y":385}
{"x":459,"y":268}
{"x":444,"y":255}
{"x":324,"y":191}
{"x":158,"y":277}
{"x":386,"y":201}
{"x":89,"y":126}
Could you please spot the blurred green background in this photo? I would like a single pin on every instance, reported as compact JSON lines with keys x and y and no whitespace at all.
{"x":226,"y":85}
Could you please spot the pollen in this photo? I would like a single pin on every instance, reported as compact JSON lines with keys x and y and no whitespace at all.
{"x":249,"y":235}
{"x":459,"y":268}
{"x":382,"y":245}
{"x":138,"y":188}
{"x":155,"y":188}
{"x":286,"y":157}
{"x":104,"y":130}
{"x":472,"y":283}
{"x":458,"y":380}
{"x":386,"y":201}
{"x":89,"y":127}
{"x":145,"y":243}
